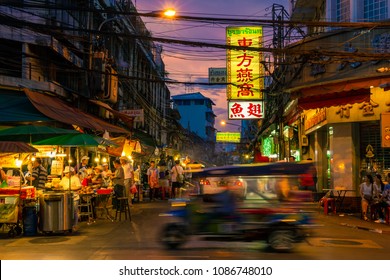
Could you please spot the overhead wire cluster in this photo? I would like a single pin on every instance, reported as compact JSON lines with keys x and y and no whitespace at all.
{"x":189,"y":49}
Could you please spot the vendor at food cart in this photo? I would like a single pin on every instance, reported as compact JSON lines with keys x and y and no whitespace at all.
{"x":97,"y":177}
{"x":74,"y":186}
{"x":39,"y":175}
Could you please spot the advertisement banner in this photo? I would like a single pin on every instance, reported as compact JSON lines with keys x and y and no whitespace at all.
{"x":245,"y":74}
{"x":229,"y":137}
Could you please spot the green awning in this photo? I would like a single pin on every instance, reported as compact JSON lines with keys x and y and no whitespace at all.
{"x":16,"y":107}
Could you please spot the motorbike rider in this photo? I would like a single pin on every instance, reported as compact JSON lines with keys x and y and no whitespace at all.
{"x":226,"y":207}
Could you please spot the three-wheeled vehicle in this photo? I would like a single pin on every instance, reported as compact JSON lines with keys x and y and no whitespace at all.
{"x":267,"y":205}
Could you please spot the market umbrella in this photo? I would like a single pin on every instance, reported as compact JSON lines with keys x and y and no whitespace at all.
{"x":33,"y":133}
{"x":70,"y":140}
{"x":16,"y":147}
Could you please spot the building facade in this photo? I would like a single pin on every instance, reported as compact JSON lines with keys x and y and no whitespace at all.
{"x":197,"y":114}
{"x":85,"y":55}
{"x":338,"y":79}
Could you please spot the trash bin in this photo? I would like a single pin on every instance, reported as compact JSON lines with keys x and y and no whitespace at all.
{"x":30,"y":221}
{"x":56,"y":212}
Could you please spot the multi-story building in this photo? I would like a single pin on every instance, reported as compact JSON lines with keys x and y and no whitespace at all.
{"x":198,"y":119}
{"x":337,"y":78}
{"x":197,"y":114}
{"x":86,"y":56}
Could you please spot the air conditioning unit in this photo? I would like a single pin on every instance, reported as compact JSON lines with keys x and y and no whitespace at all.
{"x":99,"y":79}
{"x":111,"y":86}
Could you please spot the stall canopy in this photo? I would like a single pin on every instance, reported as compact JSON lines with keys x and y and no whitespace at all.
{"x":32,"y":133}
{"x":59,"y":110}
{"x":16,"y":147}
{"x":70,"y":140}
{"x":15,"y":107}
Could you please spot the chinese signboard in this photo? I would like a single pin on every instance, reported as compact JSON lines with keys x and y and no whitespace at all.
{"x":238,"y":110}
{"x":385,"y":130}
{"x":217,"y":75}
{"x":231,"y":137}
{"x":245,"y":74}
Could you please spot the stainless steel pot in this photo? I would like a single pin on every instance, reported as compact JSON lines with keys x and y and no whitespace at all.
{"x":56,"y":211}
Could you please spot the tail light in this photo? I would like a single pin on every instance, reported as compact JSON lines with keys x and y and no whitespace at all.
{"x":204,"y":182}
{"x":239,"y":184}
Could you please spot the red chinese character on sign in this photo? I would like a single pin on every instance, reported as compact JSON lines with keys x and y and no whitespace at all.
{"x":244,"y":42}
{"x":245,"y":90}
{"x":236,"y":111}
{"x":245,"y":58}
{"x":244,"y":75}
{"x":255,"y":110}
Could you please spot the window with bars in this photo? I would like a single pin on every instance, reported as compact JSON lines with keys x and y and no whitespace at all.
{"x":370,"y":135}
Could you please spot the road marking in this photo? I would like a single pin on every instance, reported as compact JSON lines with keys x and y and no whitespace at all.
{"x":339,"y":242}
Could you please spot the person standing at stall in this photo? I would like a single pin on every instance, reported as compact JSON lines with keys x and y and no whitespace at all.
{"x":38,"y":177}
{"x":177,"y":177}
{"x":118,"y":180}
{"x":71,"y":182}
{"x":153,"y":182}
{"x":128,"y":175}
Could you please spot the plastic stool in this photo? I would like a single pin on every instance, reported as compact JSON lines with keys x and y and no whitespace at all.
{"x":329,"y":202}
{"x":85,"y":207}
{"x":123,"y":207}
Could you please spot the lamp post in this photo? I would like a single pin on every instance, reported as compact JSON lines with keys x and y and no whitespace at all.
{"x":224,"y":123}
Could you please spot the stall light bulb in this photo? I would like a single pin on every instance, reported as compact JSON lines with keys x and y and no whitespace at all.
{"x":104,"y":160}
{"x":18,"y":163}
{"x":33,"y":158}
{"x":123,"y":154}
{"x":70,"y":160}
{"x":96,"y":159}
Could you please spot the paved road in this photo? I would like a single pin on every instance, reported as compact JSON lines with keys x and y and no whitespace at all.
{"x":338,"y":237}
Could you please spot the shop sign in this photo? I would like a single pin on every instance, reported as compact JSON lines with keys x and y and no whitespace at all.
{"x":385,"y":130}
{"x":244,"y":71}
{"x":242,"y":110}
{"x":137,"y":114}
{"x":315,"y":120}
{"x":229,"y":137}
{"x":217,"y":75}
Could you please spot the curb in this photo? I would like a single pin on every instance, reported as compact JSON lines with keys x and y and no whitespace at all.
{"x":376,"y":230}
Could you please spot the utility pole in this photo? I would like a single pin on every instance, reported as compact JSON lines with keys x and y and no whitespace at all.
{"x":278,"y":17}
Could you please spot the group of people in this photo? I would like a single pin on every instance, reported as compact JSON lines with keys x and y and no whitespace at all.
{"x":176,"y":178}
{"x":375,"y":196}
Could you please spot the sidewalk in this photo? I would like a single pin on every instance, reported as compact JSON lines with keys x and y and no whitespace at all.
{"x":354,"y":220}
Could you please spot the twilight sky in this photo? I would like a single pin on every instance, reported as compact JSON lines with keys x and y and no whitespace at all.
{"x":190,"y":64}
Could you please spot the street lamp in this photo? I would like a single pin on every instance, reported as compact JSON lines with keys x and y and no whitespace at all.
{"x":168,"y":13}
{"x":223,"y":123}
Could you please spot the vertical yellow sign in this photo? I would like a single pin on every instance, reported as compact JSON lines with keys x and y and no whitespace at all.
{"x":245,"y":73}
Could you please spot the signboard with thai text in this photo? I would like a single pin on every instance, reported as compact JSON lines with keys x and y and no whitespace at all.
{"x":229,"y":137}
{"x":239,"y":110}
{"x":245,"y":74}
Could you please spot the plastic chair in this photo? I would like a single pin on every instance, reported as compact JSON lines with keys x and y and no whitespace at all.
{"x":329,"y":202}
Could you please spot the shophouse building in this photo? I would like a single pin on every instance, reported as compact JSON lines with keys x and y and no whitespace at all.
{"x":337,"y":78}
{"x":84,"y":63}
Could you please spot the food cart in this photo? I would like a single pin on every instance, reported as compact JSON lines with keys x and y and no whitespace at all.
{"x":14,"y":195}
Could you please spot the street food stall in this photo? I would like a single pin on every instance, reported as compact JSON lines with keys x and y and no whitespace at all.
{"x":15,"y":198}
